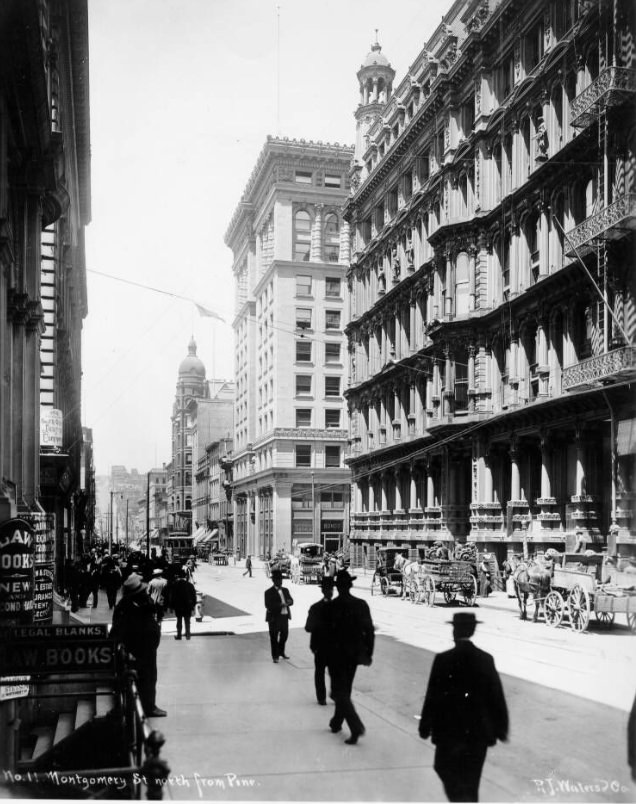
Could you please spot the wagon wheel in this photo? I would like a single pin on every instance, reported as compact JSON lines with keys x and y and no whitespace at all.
{"x":384,"y":586}
{"x":579,"y":608}
{"x":427,"y":595}
{"x":449,"y":595}
{"x":554,"y":607}
{"x":631,"y":621}
{"x":469,"y":591}
{"x":605,"y":618}
{"x":375,"y":584}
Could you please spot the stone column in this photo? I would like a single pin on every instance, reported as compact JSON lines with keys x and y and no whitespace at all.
{"x":372,"y":500}
{"x":430,"y":486}
{"x":399,"y":504}
{"x":546,"y":488}
{"x":345,"y":243}
{"x":487,"y":476}
{"x":544,"y":242}
{"x":543,"y":361}
{"x":316,"y":236}
{"x":515,"y":480}
{"x":383,"y":494}
{"x":413,"y":488}
{"x":580,"y":463}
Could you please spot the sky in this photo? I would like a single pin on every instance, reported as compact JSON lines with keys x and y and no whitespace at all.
{"x":183,"y":96}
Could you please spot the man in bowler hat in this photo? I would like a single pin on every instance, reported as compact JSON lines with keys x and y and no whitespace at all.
{"x":317,"y":626}
{"x":464,"y":711}
{"x":278,"y":604}
{"x":352,"y":640}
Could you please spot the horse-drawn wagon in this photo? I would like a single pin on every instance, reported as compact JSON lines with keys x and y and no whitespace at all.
{"x":586,"y":583}
{"x":280,"y":562}
{"x":307,"y":563}
{"x":449,"y":577}
{"x":388,"y":578}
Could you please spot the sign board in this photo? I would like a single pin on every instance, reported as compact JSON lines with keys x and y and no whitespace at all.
{"x":13,"y":687}
{"x":16,"y":572}
{"x":43,"y":594}
{"x":51,"y":427}
{"x":68,"y":656}
{"x":54,"y":632}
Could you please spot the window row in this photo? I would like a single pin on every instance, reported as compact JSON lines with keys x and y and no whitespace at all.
{"x":333,"y":286}
{"x":332,"y":418}
{"x":328,"y":237}
{"x":303,"y":456}
{"x":304,"y":385}
{"x":304,"y":352}
{"x":304,"y":316}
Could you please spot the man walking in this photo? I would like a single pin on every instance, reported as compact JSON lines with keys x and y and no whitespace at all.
{"x":318,"y":626}
{"x":352,"y":641}
{"x":277,"y":607}
{"x":464,"y":711}
{"x":157,"y":591}
{"x":248,"y":566}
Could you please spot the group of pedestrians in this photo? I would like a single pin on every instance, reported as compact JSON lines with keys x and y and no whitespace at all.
{"x":464,"y":710}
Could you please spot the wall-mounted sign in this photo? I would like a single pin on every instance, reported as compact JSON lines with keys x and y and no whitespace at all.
{"x":16,"y":572}
{"x":43,"y":594}
{"x":43,"y":525}
{"x":51,"y":427}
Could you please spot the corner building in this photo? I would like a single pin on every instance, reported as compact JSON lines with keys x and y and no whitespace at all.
{"x":491,"y":284}
{"x":291,"y":249}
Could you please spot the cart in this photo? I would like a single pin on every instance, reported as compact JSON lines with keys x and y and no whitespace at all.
{"x":448,"y":577}
{"x":282,"y":562}
{"x":307,"y":563}
{"x":583,"y":584}
{"x":386,"y":578}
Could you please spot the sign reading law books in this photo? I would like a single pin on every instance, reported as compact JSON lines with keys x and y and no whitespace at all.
{"x":16,"y":572}
{"x":43,"y":525}
{"x":51,"y":427}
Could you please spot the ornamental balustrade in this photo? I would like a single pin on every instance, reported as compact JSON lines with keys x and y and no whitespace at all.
{"x":611,"y":221}
{"x":609,"y":89}
{"x":608,"y":366}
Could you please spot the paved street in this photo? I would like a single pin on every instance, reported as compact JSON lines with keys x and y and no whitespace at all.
{"x":242,"y":728}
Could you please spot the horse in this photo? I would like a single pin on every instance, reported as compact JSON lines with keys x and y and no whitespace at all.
{"x":531,"y":578}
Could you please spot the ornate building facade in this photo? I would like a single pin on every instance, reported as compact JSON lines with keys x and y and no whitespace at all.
{"x":493,"y":309}
{"x":46,"y":471}
{"x":290,"y":247}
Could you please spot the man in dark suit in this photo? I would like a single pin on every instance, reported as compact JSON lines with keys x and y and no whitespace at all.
{"x":318,"y":627}
{"x":464,"y":711}
{"x":278,"y":603}
{"x":351,"y":644}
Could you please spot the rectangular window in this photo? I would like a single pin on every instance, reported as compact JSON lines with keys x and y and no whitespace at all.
{"x":303,"y":455}
{"x":303,"y":351}
{"x":332,"y":456}
{"x":303,"y":384}
{"x":332,"y":353}
{"x":332,"y":319}
{"x":303,"y":417}
{"x":332,"y":180}
{"x":332,"y":386}
{"x":303,"y":285}
{"x":303,"y":176}
{"x":303,"y":317}
{"x":332,"y":418}
{"x":301,"y":497}
{"x":332,"y":287}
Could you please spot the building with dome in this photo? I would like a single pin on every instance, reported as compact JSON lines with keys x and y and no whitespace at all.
{"x":492,"y":299}
{"x":290,"y":248}
{"x":201,"y":413}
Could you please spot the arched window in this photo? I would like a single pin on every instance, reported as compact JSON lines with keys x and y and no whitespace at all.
{"x":302,"y":236}
{"x":462,"y":284}
{"x":331,"y":239}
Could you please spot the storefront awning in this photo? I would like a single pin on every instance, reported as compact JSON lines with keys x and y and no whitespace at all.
{"x":209,"y":536}
{"x":198,"y":535}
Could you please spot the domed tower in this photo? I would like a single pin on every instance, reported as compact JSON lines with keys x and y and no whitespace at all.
{"x":191,"y":386}
{"x":375,"y":78}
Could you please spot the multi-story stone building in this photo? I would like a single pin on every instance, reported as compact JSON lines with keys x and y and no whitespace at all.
{"x":290,"y":248}
{"x":45,"y":206}
{"x":492,"y":283}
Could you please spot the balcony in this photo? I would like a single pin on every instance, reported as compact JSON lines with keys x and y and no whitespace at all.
{"x":611,"y":88}
{"x":612,"y":222}
{"x":616,"y":365}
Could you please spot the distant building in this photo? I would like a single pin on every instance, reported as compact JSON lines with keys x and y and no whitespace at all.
{"x":492,"y":284}
{"x":291,"y":249}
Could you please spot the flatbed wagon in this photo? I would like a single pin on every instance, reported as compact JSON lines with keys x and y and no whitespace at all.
{"x":450,"y":578}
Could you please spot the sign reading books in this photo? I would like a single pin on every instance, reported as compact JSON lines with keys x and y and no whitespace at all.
{"x":16,"y":572}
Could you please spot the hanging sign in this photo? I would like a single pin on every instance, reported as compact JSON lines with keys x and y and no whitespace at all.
{"x":51,"y":427}
{"x":16,"y":572}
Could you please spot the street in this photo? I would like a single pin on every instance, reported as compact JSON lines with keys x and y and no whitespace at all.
{"x":241,"y":728}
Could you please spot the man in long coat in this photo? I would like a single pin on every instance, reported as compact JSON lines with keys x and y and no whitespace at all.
{"x":317,"y":625}
{"x":352,"y":641}
{"x":464,"y":711}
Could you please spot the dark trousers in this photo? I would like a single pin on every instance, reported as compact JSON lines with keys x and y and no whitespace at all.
{"x":459,"y":766}
{"x":111,"y":594}
{"x":183,"y":618}
{"x":146,"y":666}
{"x":342,"y":675}
{"x":320,"y":666}
{"x":74,"y":596}
{"x":95,"y":592}
{"x":278,"y":632}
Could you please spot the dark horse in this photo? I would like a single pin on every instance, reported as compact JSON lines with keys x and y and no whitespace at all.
{"x":532,"y":578}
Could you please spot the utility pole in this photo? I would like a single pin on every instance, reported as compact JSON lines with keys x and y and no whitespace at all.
{"x":110,"y":529}
{"x":126,"y":522}
{"x":148,"y":516}
{"x":313,"y":509}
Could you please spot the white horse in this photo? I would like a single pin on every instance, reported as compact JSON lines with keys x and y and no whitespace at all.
{"x":409,"y":569}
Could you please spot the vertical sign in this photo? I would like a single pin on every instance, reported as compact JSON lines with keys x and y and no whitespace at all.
{"x":43,"y":526}
{"x":16,"y":572}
